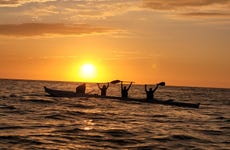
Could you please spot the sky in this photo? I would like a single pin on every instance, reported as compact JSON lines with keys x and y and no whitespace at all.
{"x":184,"y":43}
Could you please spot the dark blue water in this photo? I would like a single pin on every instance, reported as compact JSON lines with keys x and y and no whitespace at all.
{"x":31,"y":120}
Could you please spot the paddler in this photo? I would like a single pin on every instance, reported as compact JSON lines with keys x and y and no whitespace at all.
{"x":81,"y":89}
{"x":103,"y":89}
{"x":124,"y":90}
{"x":150,"y":92}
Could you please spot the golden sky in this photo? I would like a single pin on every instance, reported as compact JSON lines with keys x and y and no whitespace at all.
{"x":146,"y":41}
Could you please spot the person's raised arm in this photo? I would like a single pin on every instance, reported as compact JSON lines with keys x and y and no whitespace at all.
{"x":145,"y":88}
{"x":107,"y":85}
{"x":129,"y":85}
{"x":155,"y":88}
{"x":98,"y":86}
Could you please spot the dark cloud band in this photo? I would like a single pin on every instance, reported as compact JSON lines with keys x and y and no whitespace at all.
{"x":176,"y":4}
{"x":41,"y":29}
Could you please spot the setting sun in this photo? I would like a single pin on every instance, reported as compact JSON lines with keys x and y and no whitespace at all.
{"x":87,"y":71}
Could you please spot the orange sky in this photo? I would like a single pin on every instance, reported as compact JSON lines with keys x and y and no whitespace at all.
{"x":146,"y":41}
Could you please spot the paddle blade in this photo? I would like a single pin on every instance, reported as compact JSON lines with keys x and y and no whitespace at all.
{"x":115,"y":81}
{"x":161,"y":83}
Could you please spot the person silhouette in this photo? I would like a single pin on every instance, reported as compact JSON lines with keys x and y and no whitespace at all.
{"x":103,"y":89}
{"x":150,"y":92}
{"x":81,"y":89}
{"x":124,"y":90}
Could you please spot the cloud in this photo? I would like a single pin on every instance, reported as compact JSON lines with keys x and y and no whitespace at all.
{"x":71,"y":11}
{"x":177,"y":4}
{"x":42,"y":29}
{"x":207,"y":14}
{"x":15,"y":3}
{"x":192,"y":8}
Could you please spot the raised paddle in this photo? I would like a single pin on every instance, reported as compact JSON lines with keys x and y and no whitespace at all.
{"x":115,"y":81}
{"x":161,"y":83}
{"x":118,"y":81}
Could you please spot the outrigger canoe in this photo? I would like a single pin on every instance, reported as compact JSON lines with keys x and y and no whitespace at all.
{"x":69,"y":94}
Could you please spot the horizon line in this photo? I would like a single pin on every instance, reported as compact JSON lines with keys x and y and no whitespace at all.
{"x":47,"y":80}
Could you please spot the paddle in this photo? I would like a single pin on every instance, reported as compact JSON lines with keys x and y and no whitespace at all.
{"x":90,"y":91}
{"x":161,"y":83}
{"x":115,"y":81}
{"x":118,"y":81}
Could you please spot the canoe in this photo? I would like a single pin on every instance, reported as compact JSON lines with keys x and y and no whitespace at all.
{"x":69,"y":94}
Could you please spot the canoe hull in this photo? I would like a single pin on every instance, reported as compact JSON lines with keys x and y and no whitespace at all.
{"x":69,"y":94}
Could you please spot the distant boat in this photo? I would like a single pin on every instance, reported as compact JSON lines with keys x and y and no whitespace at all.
{"x":69,"y":94}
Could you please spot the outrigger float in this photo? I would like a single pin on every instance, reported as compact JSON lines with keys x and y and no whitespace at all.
{"x":69,"y":94}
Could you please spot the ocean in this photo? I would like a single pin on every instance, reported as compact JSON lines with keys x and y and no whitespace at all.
{"x":31,"y":120}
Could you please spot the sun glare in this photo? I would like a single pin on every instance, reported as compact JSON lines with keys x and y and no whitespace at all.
{"x":87,"y":72}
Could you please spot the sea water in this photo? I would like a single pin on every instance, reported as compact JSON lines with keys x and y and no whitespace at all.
{"x":31,"y":120}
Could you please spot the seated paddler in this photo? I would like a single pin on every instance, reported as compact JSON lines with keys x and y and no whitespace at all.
{"x":124,"y":90}
{"x":81,"y":89}
{"x":150,"y":92}
{"x":103,"y":89}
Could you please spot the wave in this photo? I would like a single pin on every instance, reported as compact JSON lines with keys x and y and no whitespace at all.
{"x":72,"y":130}
{"x":122,"y":142}
{"x":10,"y":107}
{"x":4,"y":127}
{"x":40,"y":101}
{"x":83,"y":106}
{"x":13,"y":95}
{"x":3,"y":97}
{"x":57,"y":117}
{"x":20,"y":140}
{"x":228,"y":120}
{"x":212,"y":132}
{"x":183,"y":137}
{"x":76,"y":113}
{"x":225,"y":128}
{"x":176,"y":137}
{"x":220,"y":118}
{"x":118,"y":133}
{"x":160,"y":116}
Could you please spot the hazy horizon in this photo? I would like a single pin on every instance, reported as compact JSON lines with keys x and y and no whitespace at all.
{"x":126,"y":82}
